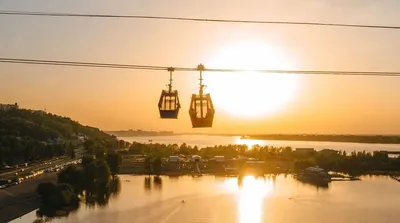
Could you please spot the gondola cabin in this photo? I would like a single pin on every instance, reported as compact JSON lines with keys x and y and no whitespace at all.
{"x":201,"y":111}
{"x":169,"y":104}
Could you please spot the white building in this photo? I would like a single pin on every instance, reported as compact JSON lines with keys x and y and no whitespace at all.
{"x":7,"y":107}
{"x":173,"y":159}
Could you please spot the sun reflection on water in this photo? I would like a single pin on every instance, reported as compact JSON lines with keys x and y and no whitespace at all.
{"x":251,"y":193}
{"x":249,"y":142}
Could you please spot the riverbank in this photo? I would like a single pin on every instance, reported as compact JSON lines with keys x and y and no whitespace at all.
{"x":21,"y":199}
{"x":371,"y":139}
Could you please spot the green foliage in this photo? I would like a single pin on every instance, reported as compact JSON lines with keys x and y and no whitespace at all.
{"x":91,"y":175}
{"x":114,"y":161}
{"x":46,"y":189}
{"x":74,"y":176}
{"x":27,"y":135}
{"x":57,"y":196}
{"x":103,"y":173}
{"x":301,"y":164}
{"x":156,"y":164}
{"x":282,"y":156}
{"x":87,"y":159}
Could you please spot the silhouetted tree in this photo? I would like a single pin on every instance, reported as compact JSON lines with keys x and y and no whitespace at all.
{"x":156,"y":164}
{"x":73,"y":176}
{"x":114,"y":161}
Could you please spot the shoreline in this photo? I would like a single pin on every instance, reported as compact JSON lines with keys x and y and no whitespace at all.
{"x":21,"y":199}
{"x":389,"y":140}
{"x":363,"y":139}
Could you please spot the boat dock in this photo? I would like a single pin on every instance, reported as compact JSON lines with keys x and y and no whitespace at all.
{"x":340,"y":177}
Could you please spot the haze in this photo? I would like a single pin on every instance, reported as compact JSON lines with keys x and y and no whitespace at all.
{"x":121,"y":99}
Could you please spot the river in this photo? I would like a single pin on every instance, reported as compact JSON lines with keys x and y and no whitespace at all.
{"x":211,"y":199}
{"x":204,"y":140}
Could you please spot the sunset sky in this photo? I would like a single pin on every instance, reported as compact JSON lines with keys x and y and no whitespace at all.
{"x":245,"y":103}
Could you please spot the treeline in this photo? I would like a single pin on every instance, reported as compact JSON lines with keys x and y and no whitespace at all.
{"x":129,"y":133}
{"x":229,"y":151}
{"x":355,"y":162}
{"x":383,"y":139}
{"x":162,"y":150}
{"x":27,"y":135}
{"x":93,"y":182}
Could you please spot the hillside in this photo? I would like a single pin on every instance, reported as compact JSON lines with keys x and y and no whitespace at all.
{"x":27,"y":135}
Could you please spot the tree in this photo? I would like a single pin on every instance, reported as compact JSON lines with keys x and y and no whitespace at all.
{"x":156,"y":164}
{"x":45,"y":190}
{"x":89,"y":146}
{"x":87,"y":160}
{"x":72,"y":154}
{"x":2,"y":156}
{"x":121,"y":144}
{"x":57,"y":196}
{"x":103,"y":174}
{"x":100,"y":152}
{"x":114,"y":161}
{"x":74,"y":177}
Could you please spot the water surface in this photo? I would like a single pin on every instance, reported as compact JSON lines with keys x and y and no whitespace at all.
{"x":203,"y":141}
{"x":211,"y":199}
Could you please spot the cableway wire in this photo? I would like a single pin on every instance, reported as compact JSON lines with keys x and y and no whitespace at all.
{"x":162,"y":68}
{"x":54,"y":14}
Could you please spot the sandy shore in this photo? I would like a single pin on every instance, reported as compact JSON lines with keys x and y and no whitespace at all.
{"x":21,"y":199}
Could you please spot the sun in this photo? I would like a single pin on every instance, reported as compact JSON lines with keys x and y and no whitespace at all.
{"x":251,"y":94}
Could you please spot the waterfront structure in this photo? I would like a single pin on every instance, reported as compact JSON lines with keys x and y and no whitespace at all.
{"x":315,"y":175}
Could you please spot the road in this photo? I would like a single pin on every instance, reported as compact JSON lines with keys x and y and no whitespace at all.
{"x":35,"y":167}
{"x":20,"y":199}
{"x":42,"y":165}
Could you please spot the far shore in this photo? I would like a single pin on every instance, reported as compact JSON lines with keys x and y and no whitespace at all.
{"x":346,"y":138}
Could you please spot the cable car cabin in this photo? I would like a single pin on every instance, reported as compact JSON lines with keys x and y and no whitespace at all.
{"x":169,"y":104}
{"x":201,"y":111}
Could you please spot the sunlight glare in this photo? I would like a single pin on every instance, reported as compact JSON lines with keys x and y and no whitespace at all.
{"x":251,"y":94}
{"x":249,"y":142}
{"x":252,"y":192}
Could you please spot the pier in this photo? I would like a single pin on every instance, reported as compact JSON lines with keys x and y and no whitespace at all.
{"x":341,"y":177}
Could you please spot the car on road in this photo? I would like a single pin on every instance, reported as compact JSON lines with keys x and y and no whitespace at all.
{"x":4,"y":183}
{"x":16,"y":181}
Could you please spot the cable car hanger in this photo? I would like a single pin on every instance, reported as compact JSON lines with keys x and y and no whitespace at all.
{"x":201,"y":109}
{"x":169,"y":104}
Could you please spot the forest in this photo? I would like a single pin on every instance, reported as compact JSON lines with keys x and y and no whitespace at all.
{"x":28,"y":136}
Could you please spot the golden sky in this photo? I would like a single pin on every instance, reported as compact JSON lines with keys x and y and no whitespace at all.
{"x":245,"y":103}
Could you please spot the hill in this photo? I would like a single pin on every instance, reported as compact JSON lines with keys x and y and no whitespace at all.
{"x":27,"y":135}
